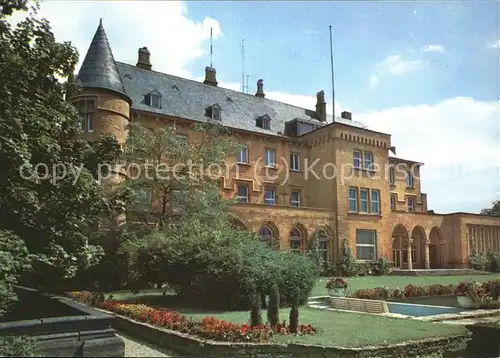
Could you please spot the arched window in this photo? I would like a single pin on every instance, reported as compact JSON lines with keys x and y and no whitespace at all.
{"x":266,"y":235}
{"x":296,"y":239}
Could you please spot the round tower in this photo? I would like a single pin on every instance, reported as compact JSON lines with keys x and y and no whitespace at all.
{"x":103,"y":103}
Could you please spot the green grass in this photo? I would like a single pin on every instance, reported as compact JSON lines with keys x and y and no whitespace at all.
{"x":356,"y":283}
{"x":350,"y":329}
{"x":334,"y":328}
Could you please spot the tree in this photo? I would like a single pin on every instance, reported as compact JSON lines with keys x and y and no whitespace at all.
{"x":50,"y":198}
{"x":493,"y":211}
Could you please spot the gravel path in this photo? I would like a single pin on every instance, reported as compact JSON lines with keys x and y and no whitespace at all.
{"x":136,"y":348}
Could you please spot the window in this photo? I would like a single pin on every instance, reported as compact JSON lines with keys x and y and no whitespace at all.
{"x":182,"y":138}
{"x":375,"y":201}
{"x":242,"y":195}
{"x":392,"y":176}
{"x":366,"y":245}
{"x":356,"y":161}
{"x":323,"y":248}
{"x":269,"y":158}
{"x":86,"y":110}
{"x":411,"y":204}
{"x":393,"y":202}
{"x":264,"y":122}
{"x":363,"y":200}
{"x":353,"y":200}
{"x":266,"y":235}
{"x":242,"y":156}
{"x":213,"y":112}
{"x":295,"y":240}
{"x":153,"y":99}
{"x":269,"y":196}
{"x":295,"y":198}
{"x":410,"y":181}
{"x":294,"y":162}
{"x":368,"y":160}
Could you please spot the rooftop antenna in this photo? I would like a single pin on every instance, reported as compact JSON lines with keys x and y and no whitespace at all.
{"x":247,"y":82}
{"x":211,"y":52}
{"x":243,"y":65}
{"x":333,"y":78}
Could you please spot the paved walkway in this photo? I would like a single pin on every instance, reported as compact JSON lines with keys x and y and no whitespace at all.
{"x":136,"y":348}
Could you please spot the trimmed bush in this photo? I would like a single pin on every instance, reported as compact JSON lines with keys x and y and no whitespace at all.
{"x":273,"y":308}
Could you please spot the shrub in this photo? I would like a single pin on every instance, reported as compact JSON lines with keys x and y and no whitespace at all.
{"x":479,"y":261}
{"x":382,"y":266}
{"x":493,"y":261}
{"x":336,"y":282}
{"x":273,"y":308}
{"x":474,"y":290}
{"x":439,"y":290}
{"x":414,"y":291}
{"x":18,"y":347}
{"x":493,"y":288}
{"x":256,"y":303}
{"x":349,"y":265}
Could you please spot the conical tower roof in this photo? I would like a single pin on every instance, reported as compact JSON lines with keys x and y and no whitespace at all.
{"x":99,"y":67}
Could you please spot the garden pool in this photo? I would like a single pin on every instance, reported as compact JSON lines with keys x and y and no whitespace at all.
{"x":410,"y":309}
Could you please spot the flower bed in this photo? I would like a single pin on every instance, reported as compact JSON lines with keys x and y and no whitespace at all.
{"x":487,"y":290}
{"x":209,"y":327}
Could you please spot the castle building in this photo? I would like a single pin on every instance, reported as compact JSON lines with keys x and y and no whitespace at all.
{"x":301,"y":172}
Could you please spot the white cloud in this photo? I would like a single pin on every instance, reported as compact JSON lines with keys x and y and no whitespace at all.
{"x":398,"y":65}
{"x":434,"y":48}
{"x":374,"y":80}
{"x":494,"y":43}
{"x":457,"y":139}
{"x":163,"y":26}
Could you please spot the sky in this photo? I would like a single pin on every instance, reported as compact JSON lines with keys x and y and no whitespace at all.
{"x":426,"y":72}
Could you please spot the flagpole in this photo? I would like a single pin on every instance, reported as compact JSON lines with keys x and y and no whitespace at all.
{"x":333,"y":77}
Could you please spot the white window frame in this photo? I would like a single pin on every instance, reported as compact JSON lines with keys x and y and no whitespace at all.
{"x":154,"y":97}
{"x":360,"y":159}
{"x":411,"y":208}
{"x":295,"y":203}
{"x":323,"y":251}
{"x":354,"y":200}
{"x":296,"y":238}
{"x":393,"y":202}
{"x":295,"y":162}
{"x":242,"y":199}
{"x":374,"y":245}
{"x":362,"y":190}
{"x":372,"y":201}
{"x":370,"y":166}
{"x":270,"y":201}
{"x":270,"y":158}
{"x":87,"y":116}
{"x":410,"y":180}
{"x":239,"y":156}
{"x":392,"y":176}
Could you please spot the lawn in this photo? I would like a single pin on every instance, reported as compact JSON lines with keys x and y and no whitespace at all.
{"x":351,"y":329}
{"x":334,"y":328}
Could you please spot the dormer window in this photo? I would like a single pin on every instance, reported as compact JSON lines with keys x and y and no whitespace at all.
{"x":264,"y":122}
{"x":153,"y":99}
{"x":213,"y":112}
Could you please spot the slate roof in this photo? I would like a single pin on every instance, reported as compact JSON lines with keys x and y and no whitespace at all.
{"x":98,"y":69}
{"x":188,"y":99}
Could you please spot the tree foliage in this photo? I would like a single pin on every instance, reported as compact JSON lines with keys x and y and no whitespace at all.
{"x":49,"y":196}
{"x":493,"y":211}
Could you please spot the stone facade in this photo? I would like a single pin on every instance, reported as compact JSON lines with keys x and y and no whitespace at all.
{"x":346,"y":184}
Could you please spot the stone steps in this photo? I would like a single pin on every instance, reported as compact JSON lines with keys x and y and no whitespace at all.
{"x":438,"y":272}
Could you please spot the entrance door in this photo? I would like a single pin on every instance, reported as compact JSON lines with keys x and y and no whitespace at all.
{"x":433,"y":256}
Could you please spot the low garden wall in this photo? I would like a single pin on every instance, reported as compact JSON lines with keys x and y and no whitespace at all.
{"x":192,"y":338}
{"x":359,"y":305}
{"x":62,"y":327}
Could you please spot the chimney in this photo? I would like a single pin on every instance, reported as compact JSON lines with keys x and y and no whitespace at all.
{"x":346,"y":115}
{"x":210,"y":76}
{"x":144,"y":59}
{"x":260,"y":89}
{"x":321,"y":106}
